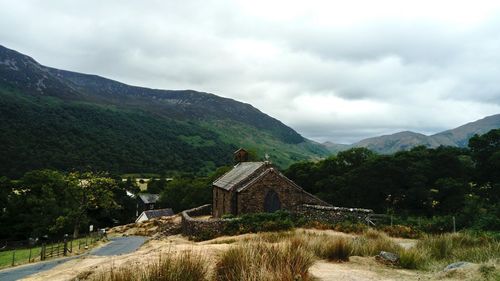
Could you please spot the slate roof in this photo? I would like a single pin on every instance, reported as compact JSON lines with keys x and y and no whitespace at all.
{"x":149,"y":198}
{"x":159,"y":213}
{"x":239,"y":173}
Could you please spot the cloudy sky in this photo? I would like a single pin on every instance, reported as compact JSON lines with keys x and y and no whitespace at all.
{"x":333,"y":70}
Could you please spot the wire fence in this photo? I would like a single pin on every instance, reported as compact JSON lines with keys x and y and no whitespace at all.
{"x":14,"y":253}
{"x":413,"y":226}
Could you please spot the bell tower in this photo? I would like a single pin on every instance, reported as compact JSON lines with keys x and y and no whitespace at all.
{"x":240,"y":155}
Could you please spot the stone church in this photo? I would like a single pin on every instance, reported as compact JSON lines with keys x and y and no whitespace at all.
{"x":253,"y":187}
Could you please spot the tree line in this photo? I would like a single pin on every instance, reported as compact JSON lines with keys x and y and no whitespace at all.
{"x":52,"y":203}
{"x":423,"y":182}
{"x":420,"y":183}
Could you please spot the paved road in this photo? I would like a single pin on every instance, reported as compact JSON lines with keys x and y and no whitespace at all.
{"x":117,"y":246}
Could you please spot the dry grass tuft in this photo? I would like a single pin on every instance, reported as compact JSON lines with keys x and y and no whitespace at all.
{"x":332,"y":248}
{"x":287,"y":261}
{"x":184,"y":266}
{"x":372,"y":242}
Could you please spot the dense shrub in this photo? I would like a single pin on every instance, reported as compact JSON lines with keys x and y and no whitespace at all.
{"x":413,"y":258}
{"x":350,"y":227}
{"x":258,"y":222}
{"x":401,"y":231}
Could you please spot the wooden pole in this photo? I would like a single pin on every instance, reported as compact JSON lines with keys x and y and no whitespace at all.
{"x":29,"y":258}
{"x":43,"y":251}
{"x":454,"y":225}
{"x":13,"y":257}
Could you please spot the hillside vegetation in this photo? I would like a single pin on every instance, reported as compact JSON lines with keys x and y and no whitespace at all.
{"x":432,"y":184}
{"x":65,"y":120}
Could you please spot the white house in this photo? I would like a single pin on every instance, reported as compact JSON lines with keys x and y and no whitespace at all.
{"x":149,"y":214}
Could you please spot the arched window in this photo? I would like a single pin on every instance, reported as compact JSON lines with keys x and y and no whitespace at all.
{"x":272,"y":202}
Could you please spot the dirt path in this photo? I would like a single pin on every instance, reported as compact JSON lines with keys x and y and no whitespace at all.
{"x":362,"y":269}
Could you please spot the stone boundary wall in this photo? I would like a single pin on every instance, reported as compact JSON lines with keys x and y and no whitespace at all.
{"x":202,"y":228}
{"x":332,"y":215}
{"x":208,"y":228}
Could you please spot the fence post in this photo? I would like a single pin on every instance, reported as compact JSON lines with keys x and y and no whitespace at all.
{"x":454,"y":225}
{"x":29,"y":258}
{"x":42,"y":250}
{"x":391,"y":220}
{"x":65,"y":251}
{"x":13,"y":257}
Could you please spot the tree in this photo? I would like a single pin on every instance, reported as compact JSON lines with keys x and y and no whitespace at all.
{"x":157,"y":186}
{"x":485,"y":151}
{"x":41,"y":197}
{"x":187,"y":192}
{"x":5,"y":193}
{"x":354,"y":157}
{"x":88,"y":191}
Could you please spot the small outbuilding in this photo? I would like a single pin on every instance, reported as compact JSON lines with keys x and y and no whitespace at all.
{"x":146,"y":201}
{"x":149,"y":214}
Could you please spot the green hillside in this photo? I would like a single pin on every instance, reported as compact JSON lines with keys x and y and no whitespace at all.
{"x":70,"y":121}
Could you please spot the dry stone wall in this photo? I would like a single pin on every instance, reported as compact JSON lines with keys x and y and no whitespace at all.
{"x":202,"y":228}
{"x":330,"y":214}
{"x":208,"y":228}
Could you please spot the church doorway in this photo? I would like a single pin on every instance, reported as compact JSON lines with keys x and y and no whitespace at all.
{"x":272,"y":202}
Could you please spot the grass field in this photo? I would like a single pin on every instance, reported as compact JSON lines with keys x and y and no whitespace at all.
{"x":22,"y":256}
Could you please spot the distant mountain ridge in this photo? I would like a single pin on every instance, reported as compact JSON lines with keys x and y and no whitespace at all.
{"x":60,"y":119}
{"x":458,"y":137}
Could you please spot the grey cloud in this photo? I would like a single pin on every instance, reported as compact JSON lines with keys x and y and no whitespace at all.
{"x":329,"y":82}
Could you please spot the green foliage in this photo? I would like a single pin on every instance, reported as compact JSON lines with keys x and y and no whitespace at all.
{"x":424,"y":186}
{"x":188,"y":191}
{"x":258,"y":222}
{"x":50,"y":202}
{"x":83,"y":136}
{"x":348,"y":226}
{"x":185,"y":193}
{"x":401,"y":231}
{"x":157,"y":186}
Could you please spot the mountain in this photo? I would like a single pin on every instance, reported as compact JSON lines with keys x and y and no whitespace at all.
{"x":64,"y":120}
{"x":335,"y":147}
{"x":458,"y":137}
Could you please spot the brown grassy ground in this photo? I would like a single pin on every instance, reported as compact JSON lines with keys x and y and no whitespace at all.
{"x":357,"y":268}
